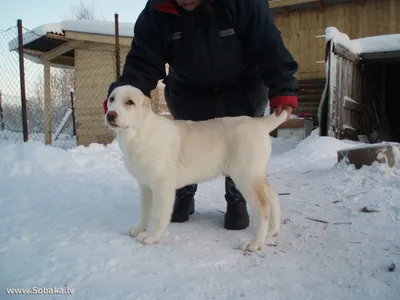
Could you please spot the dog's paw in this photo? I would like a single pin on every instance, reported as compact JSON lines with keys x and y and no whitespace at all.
{"x":150,"y":240}
{"x":145,"y":239}
{"x":135,"y":230}
{"x":251,"y":246}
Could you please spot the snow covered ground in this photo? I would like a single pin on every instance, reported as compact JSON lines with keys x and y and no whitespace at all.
{"x":64,"y":216}
{"x":64,"y":141}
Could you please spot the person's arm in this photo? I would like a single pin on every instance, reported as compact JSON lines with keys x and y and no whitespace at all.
{"x":263,"y":43}
{"x":145,"y":62}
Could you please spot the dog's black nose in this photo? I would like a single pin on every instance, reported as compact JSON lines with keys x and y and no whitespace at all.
{"x":111,"y":116}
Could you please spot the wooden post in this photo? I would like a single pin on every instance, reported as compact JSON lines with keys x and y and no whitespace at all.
{"x":22,"y":81}
{"x":117,"y":49}
{"x":47,"y":104}
{"x":1,"y":113}
{"x":73,"y":112}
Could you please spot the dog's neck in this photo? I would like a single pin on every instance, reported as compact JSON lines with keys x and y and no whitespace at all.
{"x":128,"y":136}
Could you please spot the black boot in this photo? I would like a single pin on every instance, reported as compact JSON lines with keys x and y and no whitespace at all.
{"x":236,"y":217}
{"x":184,"y":204}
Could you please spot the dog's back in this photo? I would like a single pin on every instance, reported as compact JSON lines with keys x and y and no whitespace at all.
{"x":210,"y":147}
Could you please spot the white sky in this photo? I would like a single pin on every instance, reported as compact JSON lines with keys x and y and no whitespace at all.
{"x":37,"y":13}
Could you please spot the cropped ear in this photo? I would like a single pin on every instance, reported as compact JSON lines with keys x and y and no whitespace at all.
{"x":146,"y":102}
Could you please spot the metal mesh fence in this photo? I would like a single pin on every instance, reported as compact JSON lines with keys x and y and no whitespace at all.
{"x":64,"y":98}
{"x":10,"y":96}
{"x":58,"y":113}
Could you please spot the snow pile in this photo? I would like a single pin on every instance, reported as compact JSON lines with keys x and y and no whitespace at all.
{"x":34,"y":158}
{"x":65,"y":214}
{"x":321,"y":147}
{"x":381,"y":43}
{"x":315,"y":151}
{"x":83,"y":26}
{"x":334,"y":35}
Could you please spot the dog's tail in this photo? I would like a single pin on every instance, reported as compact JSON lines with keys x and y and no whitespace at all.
{"x":272,"y":121}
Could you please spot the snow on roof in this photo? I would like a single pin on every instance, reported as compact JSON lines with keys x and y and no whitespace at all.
{"x":83,"y":26}
{"x":372,"y":44}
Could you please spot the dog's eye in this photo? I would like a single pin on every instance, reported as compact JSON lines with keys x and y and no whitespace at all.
{"x":130,"y":102}
{"x":111,"y":99}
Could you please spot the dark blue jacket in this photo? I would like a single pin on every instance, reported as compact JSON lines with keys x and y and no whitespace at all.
{"x":221,"y":44}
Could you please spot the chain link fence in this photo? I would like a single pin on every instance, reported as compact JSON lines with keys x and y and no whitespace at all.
{"x":10,"y":91}
{"x":64,"y":102}
{"x":62,"y":82}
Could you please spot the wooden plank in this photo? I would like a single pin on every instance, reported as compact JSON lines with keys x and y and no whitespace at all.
{"x":93,"y":131}
{"x":282,"y":3}
{"x":97,"y":38}
{"x":344,"y":52}
{"x":387,"y":55}
{"x":55,"y":52}
{"x":320,"y":5}
{"x":89,"y":71}
{"x":367,"y":155}
{"x":350,"y":18}
{"x":90,"y":108}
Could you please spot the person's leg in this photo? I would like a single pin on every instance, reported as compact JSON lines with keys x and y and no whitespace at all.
{"x":183,"y":107}
{"x":251,"y":102}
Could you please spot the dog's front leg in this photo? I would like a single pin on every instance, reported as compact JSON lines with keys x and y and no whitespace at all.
{"x":146,"y":202}
{"x":163,"y":204}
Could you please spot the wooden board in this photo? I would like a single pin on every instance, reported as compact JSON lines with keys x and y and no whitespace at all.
{"x":301,"y":28}
{"x":366,"y":156}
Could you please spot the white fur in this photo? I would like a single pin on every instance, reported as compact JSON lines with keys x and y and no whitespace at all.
{"x":164,"y":155}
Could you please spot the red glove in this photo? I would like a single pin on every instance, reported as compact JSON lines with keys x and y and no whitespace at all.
{"x":284,"y":100}
{"x":105,"y":107}
{"x":280,"y":103}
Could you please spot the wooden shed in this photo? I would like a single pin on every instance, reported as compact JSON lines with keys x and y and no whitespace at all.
{"x":361,"y":100}
{"x":89,"y":47}
{"x":303,"y":24}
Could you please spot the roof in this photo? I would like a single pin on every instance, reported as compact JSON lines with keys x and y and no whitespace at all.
{"x":367,"y":46}
{"x":82,"y":26}
{"x":279,"y":6}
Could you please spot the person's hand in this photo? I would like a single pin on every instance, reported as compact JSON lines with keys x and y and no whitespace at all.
{"x":280,"y":108}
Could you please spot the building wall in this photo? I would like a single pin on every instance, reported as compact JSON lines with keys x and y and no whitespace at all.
{"x":300,"y":29}
{"x":95,"y":69}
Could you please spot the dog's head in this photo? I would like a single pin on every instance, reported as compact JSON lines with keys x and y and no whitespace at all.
{"x":126,"y":108}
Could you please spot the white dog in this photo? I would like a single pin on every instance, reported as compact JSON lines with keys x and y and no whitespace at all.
{"x":164,"y":155}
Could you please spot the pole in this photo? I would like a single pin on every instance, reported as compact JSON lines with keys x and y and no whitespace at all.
{"x":73,"y":112}
{"x":117,"y":50}
{"x":22,"y":81}
{"x":1,"y":112}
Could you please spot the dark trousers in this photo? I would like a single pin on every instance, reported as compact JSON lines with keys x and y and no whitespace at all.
{"x":195,"y":105}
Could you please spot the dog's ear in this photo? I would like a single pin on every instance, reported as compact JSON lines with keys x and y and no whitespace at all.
{"x":146,"y":102}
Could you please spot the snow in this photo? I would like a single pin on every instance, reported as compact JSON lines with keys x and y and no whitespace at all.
{"x":83,"y":26}
{"x":372,"y":44}
{"x":333,"y":34}
{"x":64,"y":141}
{"x":65,"y":213}
{"x":380,"y":43}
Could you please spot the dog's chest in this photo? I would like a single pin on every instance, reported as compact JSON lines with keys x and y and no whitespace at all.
{"x":141,"y":168}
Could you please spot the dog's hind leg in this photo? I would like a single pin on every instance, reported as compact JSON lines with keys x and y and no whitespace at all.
{"x":258,"y":194}
{"x":275,"y":215}
{"x":163,"y":204}
{"x":146,"y":201}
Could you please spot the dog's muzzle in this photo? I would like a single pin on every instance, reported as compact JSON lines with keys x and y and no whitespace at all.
{"x":112,"y":116}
